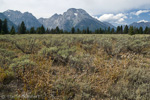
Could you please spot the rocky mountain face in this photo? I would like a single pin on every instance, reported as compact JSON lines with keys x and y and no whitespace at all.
{"x":77,"y":18}
{"x":17,"y":17}
{"x":140,"y":24}
{"x":10,"y":23}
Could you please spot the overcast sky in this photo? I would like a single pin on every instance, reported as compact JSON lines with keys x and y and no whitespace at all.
{"x":46,"y":8}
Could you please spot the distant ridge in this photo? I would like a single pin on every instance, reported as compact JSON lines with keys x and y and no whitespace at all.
{"x":17,"y":17}
{"x":10,"y":23}
{"x":140,"y":24}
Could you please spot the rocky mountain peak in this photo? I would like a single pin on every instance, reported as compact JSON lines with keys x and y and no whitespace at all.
{"x":77,"y":18}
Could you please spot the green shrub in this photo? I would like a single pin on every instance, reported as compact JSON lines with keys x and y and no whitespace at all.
{"x":28,"y":46}
{"x":20,"y":64}
{"x":132,"y":85}
{"x":6,"y":57}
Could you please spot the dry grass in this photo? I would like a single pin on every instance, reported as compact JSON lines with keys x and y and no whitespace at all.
{"x":75,"y":67}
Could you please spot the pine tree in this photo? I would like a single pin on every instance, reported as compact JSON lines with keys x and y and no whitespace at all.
{"x":61,"y":31}
{"x":83,"y":31}
{"x":141,"y":30}
{"x":52,"y":31}
{"x":78,"y":31}
{"x":0,"y":25}
{"x":118,"y":29}
{"x":112,"y":30}
{"x":108,"y":30}
{"x":42,"y":29}
{"x":87,"y":30}
{"x":73,"y":30}
{"x":100,"y":31}
{"x":32,"y":30}
{"x":136,"y":30}
{"x":22,"y":28}
{"x":5,"y":27}
{"x":146,"y":30}
{"x":27,"y":31}
{"x":47,"y":30}
{"x":12,"y":31}
{"x":131,"y":32}
{"x":38,"y":30}
{"x":121,"y":29}
{"x":126,"y":29}
{"x":57,"y":30}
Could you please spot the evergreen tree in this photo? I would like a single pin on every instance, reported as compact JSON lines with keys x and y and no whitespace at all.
{"x":57,"y":30}
{"x":38,"y":30}
{"x":136,"y":30}
{"x":27,"y":31}
{"x":32,"y":30}
{"x":118,"y":29}
{"x":47,"y":30}
{"x":52,"y":31}
{"x":22,"y":28}
{"x":5,"y":27}
{"x":78,"y":31}
{"x":146,"y":31}
{"x":12,"y":31}
{"x":97,"y":31}
{"x":100,"y":31}
{"x":141,"y":30}
{"x":61,"y":31}
{"x":0,"y":25}
{"x":42,"y":29}
{"x":131,"y":32}
{"x":108,"y":30}
{"x":83,"y":31}
{"x":73,"y":30}
{"x":121,"y":29}
{"x":112,"y":30}
{"x":126,"y":29}
{"x":87,"y":30}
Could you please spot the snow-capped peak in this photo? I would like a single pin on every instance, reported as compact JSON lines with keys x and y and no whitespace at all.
{"x":75,"y":14}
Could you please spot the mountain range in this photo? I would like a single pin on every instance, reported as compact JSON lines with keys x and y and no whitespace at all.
{"x":77,"y":18}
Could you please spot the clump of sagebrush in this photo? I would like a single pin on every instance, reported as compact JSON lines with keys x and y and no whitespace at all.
{"x":28,"y":46}
{"x":74,"y":56}
{"x":33,"y":72}
{"x":133,"y":84}
{"x":68,"y":84}
{"x":6,"y":57}
{"x":20,"y":64}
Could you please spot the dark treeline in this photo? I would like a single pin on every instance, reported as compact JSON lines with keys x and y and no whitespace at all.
{"x":41,"y":30}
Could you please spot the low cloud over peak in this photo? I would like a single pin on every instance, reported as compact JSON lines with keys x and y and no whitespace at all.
{"x":145,"y":21}
{"x":140,"y":12}
{"x":113,"y":18}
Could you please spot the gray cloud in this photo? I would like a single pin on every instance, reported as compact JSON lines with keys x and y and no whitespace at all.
{"x":46,"y":8}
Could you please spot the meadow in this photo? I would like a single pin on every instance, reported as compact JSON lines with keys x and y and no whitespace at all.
{"x":75,"y":67}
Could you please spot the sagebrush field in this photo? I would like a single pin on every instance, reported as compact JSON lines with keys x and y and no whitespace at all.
{"x":75,"y":67}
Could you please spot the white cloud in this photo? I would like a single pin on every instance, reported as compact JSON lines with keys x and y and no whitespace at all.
{"x":141,"y":11}
{"x":46,"y":8}
{"x":118,"y":18}
{"x":145,"y":21}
